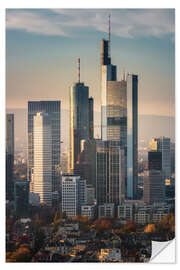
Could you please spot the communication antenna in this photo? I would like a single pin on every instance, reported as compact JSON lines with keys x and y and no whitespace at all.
{"x":79,"y":70}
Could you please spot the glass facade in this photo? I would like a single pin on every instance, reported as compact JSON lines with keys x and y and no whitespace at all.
{"x":42,"y":170}
{"x":132,"y":135}
{"x":81,"y":119}
{"x":110,"y":172}
{"x":53,"y":109}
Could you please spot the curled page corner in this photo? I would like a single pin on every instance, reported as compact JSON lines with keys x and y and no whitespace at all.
{"x":163,"y":252}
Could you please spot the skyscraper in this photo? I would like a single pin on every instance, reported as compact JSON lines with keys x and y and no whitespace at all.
{"x":110,"y":172}
{"x":132,"y":135}
{"x":42,"y":145}
{"x":81,"y":120}
{"x":91,"y":118}
{"x":163,"y":145}
{"x":9,"y":155}
{"x":119,"y":110}
{"x":53,"y":108}
{"x":153,"y":181}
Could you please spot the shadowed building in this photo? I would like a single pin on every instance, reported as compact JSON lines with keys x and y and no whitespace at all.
{"x":81,"y":120}
{"x":9,"y":155}
{"x":21,"y":198}
{"x":153,"y":181}
{"x":110,"y":172}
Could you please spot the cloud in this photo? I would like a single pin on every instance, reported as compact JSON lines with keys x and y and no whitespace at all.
{"x":128,"y":23}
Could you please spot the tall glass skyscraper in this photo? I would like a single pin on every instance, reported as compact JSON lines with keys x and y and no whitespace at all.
{"x":132,"y":135}
{"x":9,"y":155}
{"x":81,"y":120}
{"x":42,"y":169}
{"x":119,"y":108}
{"x":53,"y":108}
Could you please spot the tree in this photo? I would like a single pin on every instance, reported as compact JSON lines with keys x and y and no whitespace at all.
{"x":167,"y":224}
{"x":130,"y":227}
{"x":150,"y":228}
{"x":22,"y":254}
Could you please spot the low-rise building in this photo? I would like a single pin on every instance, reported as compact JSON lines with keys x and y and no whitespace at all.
{"x":110,"y":255}
{"x":88,"y":211}
{"x":106,"y":210}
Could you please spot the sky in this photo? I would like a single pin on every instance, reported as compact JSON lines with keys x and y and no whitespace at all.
{"x":42,"y":47}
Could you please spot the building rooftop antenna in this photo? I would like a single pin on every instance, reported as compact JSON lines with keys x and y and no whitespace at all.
{"x":109,"y":34}
{"x":79,"y":70}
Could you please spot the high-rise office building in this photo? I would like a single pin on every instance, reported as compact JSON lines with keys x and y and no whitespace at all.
{"x":73,"y":194}
{"x":53,"y":108}
{"x":163,"y":145}
{"x":9,"y":155}
{"x":132,"y":135}
{"x":87,"y":162}
{"x":110,"y":172}
{"x":81,"y":120}
{"x":153,"y":181}
{"x":119,"y":114}
{"x":21,"y":198}
{"x":91,"y":118}
{"x":42,"y":146}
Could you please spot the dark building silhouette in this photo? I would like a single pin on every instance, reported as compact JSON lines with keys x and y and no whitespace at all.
{"x":9,"y":155}
{"x":21,"y":198}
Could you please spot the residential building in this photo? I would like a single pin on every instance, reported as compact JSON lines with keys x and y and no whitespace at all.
{"x":73,"y":194}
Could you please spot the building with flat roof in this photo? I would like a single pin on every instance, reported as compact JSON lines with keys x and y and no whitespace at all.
{"x":53,"y":108}
{"x":73,"y":194}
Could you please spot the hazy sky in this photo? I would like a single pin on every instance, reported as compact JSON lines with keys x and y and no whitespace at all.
{"x":43,"y":46}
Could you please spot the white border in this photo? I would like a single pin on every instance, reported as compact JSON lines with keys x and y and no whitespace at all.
{"x":73,"y":4}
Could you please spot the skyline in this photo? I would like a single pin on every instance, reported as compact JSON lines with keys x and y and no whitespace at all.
{"x":144,"y":47}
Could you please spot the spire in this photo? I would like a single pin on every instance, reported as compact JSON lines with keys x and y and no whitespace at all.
{"x":109,"y":35}
{"x":78,"y":70}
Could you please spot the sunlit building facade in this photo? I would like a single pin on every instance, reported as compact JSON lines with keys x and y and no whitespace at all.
{"x":42,"y":170}
{"x":119,"y":115}
{"x":53,"y":108}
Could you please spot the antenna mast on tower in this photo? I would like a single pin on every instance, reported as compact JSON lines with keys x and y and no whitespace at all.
{"x":79,"y":70}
